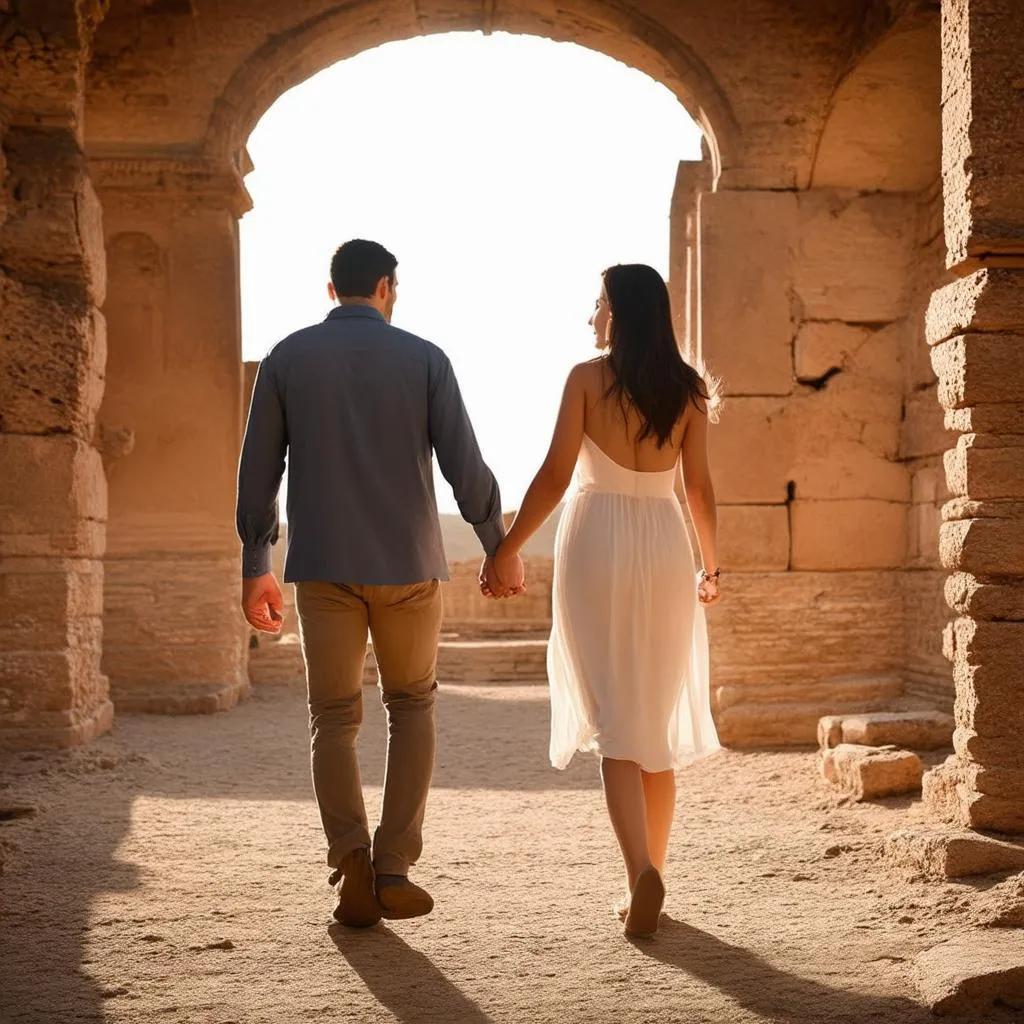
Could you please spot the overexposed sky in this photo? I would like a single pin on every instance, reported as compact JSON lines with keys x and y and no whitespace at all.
{"x":505,"y":173}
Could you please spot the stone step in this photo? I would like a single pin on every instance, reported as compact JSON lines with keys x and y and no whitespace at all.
{"x":788,"y":716}
{"x":458,"y":661}
{"x":866,"y":773}
{"x":915,"y":730}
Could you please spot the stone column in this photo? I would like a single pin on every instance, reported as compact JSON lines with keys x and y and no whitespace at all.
{"x":52,"y":353}
{"x":976,"y":325}
{"x":175,"y":639}
{"x":693,"y":177}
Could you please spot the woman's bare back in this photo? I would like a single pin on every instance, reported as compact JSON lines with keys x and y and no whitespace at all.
{"x":615,"y":428}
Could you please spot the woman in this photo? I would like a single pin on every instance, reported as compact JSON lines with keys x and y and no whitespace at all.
{"x":627,"y":661}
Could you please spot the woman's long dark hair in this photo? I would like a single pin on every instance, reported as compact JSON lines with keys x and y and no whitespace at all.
{"x":649,"y":373}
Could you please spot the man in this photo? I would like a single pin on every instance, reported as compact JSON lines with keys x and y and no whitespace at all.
{"x":359,"y":406}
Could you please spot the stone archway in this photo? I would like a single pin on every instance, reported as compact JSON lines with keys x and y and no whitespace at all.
{"x":835,"y":256}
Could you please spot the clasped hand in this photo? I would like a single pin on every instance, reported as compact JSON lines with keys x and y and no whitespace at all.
{"x":502,"y":575}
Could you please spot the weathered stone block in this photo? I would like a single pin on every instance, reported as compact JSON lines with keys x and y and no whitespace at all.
{"x":1002,"y":906}
{"x":54,"y":228}
{"x":1003,"y":419}
{"x":822,"y":346}
{"x":49,"y":603}
{"x":972,"y":973}
{"x":751,"y":425}
{"x":831,"y":535}
{"x":869,"y":772}
{"x":986,"y":547}
{"x":969,"y":596}
{"x":853,"y":254}
{"x":948,"y":853}
{"x":923,"y":431}
{"x":914,"y":730}
{"x":983,"y":124}
{"x":987,"y":300}
{"x":754,"y":537}
{"x":982,"y":467}
{"x":52,"y":354}
{"x":788,"y":714}
{"x":975,"y":369}
{"x":54,"y":501}
{"x":853,"y":621}
{"x":744,"y":270}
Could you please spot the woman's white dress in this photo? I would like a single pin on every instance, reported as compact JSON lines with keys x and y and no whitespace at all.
{"x":628,"y":656}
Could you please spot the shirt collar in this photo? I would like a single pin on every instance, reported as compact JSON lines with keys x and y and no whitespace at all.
{"x":355,"y":311}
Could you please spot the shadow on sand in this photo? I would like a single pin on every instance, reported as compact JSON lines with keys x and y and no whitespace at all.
{"x":403,"y":980}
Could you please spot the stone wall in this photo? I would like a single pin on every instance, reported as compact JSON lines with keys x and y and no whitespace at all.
{"x":52,"y":357}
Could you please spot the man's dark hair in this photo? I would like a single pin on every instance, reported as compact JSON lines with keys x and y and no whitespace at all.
{"x":358,"y":265}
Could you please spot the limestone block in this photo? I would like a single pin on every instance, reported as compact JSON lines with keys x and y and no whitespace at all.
{"x":788,"y":714}
{"x":943,"y":853}
{"x":867,"y":772}
{"x":983,"y":125}
{"x":969,"y":596}
{"x":925,"y":612}
{"x":52,"y":355}
{"x":923,"y":432}
{"x":832,"y":535}
{"x":976,"y":369}
{"x":972,"y":973}
{"x":172,"y":625}
{"x":853,"y":255}
{"x":49,"y":603}
{"x":1002,"y":419}
{"x":824,"y":345}
{"x":746,"y":325}
{"x":54,"y":501}
{"x":983,"y":546}
{"x":852,"y":621}
{"x":941,"y":793}
{"x":983,"y":466}
{"x":988,"y":300}
{"x":753,"y":537}
{"x":751,"y":452}
{"x":1002,"y":906}
{"x":54,"y":228}
{"x":914,"y":730}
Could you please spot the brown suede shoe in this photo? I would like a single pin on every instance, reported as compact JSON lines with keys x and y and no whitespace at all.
{"x":357,"y":905}
{"x":399,"y":898}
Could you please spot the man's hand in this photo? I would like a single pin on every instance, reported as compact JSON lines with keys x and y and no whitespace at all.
{"x":502,"y":576}
{"x":262,"y":603}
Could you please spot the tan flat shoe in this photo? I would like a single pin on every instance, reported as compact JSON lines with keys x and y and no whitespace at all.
{"x":645,"y":904}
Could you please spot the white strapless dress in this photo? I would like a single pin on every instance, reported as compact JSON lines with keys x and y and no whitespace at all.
{"x":628,"y":657}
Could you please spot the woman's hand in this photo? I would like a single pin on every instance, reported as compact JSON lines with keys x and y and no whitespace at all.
{"x":708,"y":590}
{"x":502,"y":575}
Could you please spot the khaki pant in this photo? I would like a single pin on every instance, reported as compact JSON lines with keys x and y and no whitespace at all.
{"x":405,"y":623}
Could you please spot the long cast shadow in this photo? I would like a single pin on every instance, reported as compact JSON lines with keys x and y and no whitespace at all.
{"x":403,"y":980}
{"x":765,"y":990}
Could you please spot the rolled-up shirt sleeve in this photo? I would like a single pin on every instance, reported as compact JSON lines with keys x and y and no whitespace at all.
{"x":259,"y":473}
{"x":458,"y":456}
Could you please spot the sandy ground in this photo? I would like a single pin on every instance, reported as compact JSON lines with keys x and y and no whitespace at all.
{"x":173,"y":872}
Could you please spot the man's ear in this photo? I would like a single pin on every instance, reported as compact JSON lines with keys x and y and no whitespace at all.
{"x":332,"y":294}
{"x":383,"y":286}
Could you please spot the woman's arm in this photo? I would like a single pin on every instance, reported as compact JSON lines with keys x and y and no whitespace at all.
{"x":699,"y":491}
{"x":553,"y":477}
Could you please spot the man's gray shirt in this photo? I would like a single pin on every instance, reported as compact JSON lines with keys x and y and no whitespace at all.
{"x":358,"y":407}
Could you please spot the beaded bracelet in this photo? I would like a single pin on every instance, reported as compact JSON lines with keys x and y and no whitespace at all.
{"x":705,"y":575}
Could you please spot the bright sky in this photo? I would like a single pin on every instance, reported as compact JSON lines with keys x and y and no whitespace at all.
{"x":505,"y":173}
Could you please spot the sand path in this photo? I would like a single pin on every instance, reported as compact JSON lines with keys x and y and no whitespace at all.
{"x":172,"y":872}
